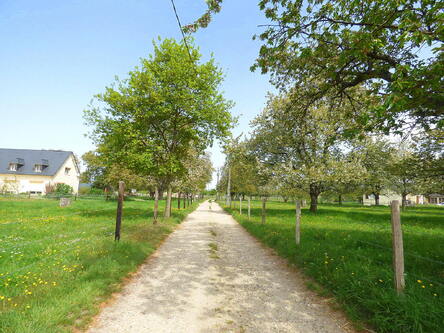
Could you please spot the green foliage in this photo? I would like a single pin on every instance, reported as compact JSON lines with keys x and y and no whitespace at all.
{"x":61,"y":188}
{"x":68,"y":261}
{"x":199,"y":172}
{"x":346,"y":43}
{"x":168,"y":104}
{"x":377,"y":156}
{"x":214,"y":6}
{"x":247,"y":177}
{"x":347,"y":250}
{"x":304,"y":146}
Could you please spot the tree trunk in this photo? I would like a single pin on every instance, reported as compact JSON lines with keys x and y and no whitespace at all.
{"x":228,"y":200}
{"x":376,"y":199}
{"x":168,"y":203}
{"x":178,"y":200}
{"x":263,"y":209}
{"x":340,"y":199}
{"x":156,"y":205}
{"x":314,"y":193}
{"x":404,"y":200}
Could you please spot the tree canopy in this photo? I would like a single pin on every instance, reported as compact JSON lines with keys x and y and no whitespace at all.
{"x":169,"y":104}
{"x":393,"y":48}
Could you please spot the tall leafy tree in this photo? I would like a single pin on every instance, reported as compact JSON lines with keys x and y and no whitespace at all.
{"x":393,"y":47}
{"x":106,"y":176}
{"x":303,"y":146}
{"x":377,"y":156}
{"x":405,"y":169}
{"x":169,"y":103}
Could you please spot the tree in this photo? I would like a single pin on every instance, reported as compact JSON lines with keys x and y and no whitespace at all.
{"x":102,"y":174}
{"x":405,"y":171}
{"x":170,"y":103}
{"x":428,"y":149}
{"x":245,"y":176}
{"x":199,"y":174}
{"x":377,"y":157}
{"x":303,"y":147}
{"x":393,"y":47}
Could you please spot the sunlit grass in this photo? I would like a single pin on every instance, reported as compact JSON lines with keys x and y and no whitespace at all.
{"x":58,"y":264}
{"x":347,"y":250}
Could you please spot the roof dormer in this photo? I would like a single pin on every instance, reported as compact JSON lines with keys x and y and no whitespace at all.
{"x":16,"y":165}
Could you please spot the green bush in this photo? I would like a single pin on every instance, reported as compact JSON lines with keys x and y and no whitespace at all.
{"x":63,"y":189}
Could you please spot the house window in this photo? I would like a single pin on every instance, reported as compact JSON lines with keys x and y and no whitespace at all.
{"x":12,"y":167}
{"x":38,"y":168}
{"x":67,"y":170}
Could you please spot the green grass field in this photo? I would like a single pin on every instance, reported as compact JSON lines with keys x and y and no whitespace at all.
{"x":347,"y":252}
{"x":58,"y":264}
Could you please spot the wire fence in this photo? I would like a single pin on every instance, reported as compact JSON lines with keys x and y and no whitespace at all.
{"x":434,"y":266}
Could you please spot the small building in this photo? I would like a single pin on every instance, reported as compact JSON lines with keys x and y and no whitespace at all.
{"x":436,"y":199}
{"x":37,"y":171}
{"x":412,"y":199}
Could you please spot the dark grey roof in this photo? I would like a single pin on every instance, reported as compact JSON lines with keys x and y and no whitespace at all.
{"x":27,"y":158}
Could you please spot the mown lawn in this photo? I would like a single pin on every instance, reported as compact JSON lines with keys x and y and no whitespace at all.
{"x":58,"y":264}
{"x":347,"y":251}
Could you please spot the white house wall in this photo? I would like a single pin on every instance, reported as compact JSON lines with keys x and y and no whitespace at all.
{"x":24,"y":183}
{"x":386,"y":199}
{"x":72,"y":179}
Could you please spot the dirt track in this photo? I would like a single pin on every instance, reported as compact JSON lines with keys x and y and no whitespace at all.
{"x":210,"y":275}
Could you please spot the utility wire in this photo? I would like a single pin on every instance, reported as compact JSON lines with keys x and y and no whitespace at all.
{"x":181,"y":30}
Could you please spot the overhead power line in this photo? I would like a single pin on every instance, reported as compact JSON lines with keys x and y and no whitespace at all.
{"x":181,"y":30}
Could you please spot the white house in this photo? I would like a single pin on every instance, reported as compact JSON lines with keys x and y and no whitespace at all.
{"x":36,"y":171}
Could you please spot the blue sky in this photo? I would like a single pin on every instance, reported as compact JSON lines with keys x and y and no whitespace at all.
{"x":55,"y":55}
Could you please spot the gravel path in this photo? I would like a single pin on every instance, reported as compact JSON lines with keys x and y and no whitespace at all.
{"x":210,"y":275}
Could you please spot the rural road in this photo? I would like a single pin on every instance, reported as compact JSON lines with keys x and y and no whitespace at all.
{"x":210,"y":275}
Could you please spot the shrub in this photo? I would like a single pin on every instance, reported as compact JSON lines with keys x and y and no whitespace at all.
{"x":63,"y":189}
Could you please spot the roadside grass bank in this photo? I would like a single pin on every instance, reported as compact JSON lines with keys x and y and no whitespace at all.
{"x":58,"y":264}
{"x":347,"y":251}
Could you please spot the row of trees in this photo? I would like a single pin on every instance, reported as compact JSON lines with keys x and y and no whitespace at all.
{"x":297,"y":152}
{"x":348,"y":73}
{"x":152,"y":128}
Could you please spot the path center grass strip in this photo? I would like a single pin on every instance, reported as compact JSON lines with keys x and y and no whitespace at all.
{"x":56,"y":267}
{"x":347,"y":250}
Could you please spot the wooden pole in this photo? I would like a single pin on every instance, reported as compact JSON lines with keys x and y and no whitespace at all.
{"x":156,"y":204}
{"x":263,"y":210}
{"x":167,"y":212}
{"x":119,"y":210}
{"x":398,"y":248}
{"x":240,"y":205}
{"x":249,"y":207}
{"x":298,"y":222}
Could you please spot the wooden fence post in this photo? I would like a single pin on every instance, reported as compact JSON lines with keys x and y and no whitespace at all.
{"x":119,"y":210}
{"x":156,"y":205}
{"x":249,"y":207}
{"x":263,"y":210}
{"x":298,"y":222}
{"x":398,"y":248}
{"x":240,"y":205}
